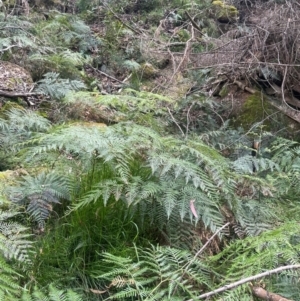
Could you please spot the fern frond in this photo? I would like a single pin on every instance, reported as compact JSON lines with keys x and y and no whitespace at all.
{"x":39,"y":193}
{"x":266,"y":251}
{"x":131,"y":105}
{"x":160,"y":273}
{"x":56,"y":87}
{"x":19,"y":126}
{"x":52,"y":294}
{"x":246,"y":164}
{"x":8,"y":280}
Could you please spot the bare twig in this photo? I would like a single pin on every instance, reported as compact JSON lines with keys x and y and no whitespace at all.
{"x":188,"y":120}
{"x":175,"y":121}
{"x":8,"y":47}
{"x":195,"y":25}
{"x":106,"y":75}
{"x":126,"y":25}
{"x":183,"y":64}
{"x":184,"y":61}
{"x":205,"y":246}
{"x":201,"y":250}
{"x":244,"y":87}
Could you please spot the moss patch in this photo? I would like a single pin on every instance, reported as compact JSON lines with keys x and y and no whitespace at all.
{"x":225,"y":13}
{"x":255,"y":109}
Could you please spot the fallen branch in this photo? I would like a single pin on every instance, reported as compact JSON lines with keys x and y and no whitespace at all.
{"x":285,"y":109}
{"x":245,"y":280}
{"x":265,"y":295}
{"x":24,"y":95}
{"x":11,"y":94}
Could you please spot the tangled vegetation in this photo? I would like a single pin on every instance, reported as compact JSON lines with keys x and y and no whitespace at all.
{"x":149,"y":150}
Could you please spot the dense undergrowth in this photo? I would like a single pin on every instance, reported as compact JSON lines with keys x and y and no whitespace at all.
{"x":111,"y":186}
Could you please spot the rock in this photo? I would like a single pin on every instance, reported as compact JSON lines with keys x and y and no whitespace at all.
{"x":14,"y":78}
{"x":147,"y":71}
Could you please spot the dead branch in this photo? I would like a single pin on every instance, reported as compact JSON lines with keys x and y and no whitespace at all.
{"x":106,"y":75}
{"x":245,"y":280}
{"x":23,"y":95}
{"x":195,"y":25}
{"x":285,"y":109}
{"x":118,"y":18}
{"x":206,"y":244}
{"x":265,"y":295}
{"x":202,"y":249}
{"x":185,"y":59}
{"x":11,"y":94}
{"x":175,"y":121}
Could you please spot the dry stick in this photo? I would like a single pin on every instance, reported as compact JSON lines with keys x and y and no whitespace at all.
{"x":24,"y":95}
{"x":245,"y":280}
{"x":106,"y":75}
{"x":200,"y":251}
{"x":12,"y":94}
{"x":184,"y":61}
{"x":206,"y":244}
{"x":173,"y":60}
{"x":117,"y":17}
{"x":244,"y":63}
{"x":282,"y":90}
{"x":175,"y":122}
{"x":194,"y":23}
{"x":244,"y":87}
{"x":188,"y":120}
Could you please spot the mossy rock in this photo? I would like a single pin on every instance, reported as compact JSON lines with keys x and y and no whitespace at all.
{"x":147,"y":71}
{"x":14,"y":78}
{"x":225,"y":13}
{"x":8,"y":177}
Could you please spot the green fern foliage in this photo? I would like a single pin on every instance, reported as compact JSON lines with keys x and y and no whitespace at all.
{"x":144,"y":108}
{"x":166,"y":173}
{"x":20,"y":125}
{"x":38,"y":194}
{"x":14,"y":238}
{"x":56,"y":87}
{"x":9,"y":288}
{"x":158,"y":273}
{"x":253,"y":255}
{"x":53,"y":294}
{"x":15,"y":35}
{"x":58,"y":37}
